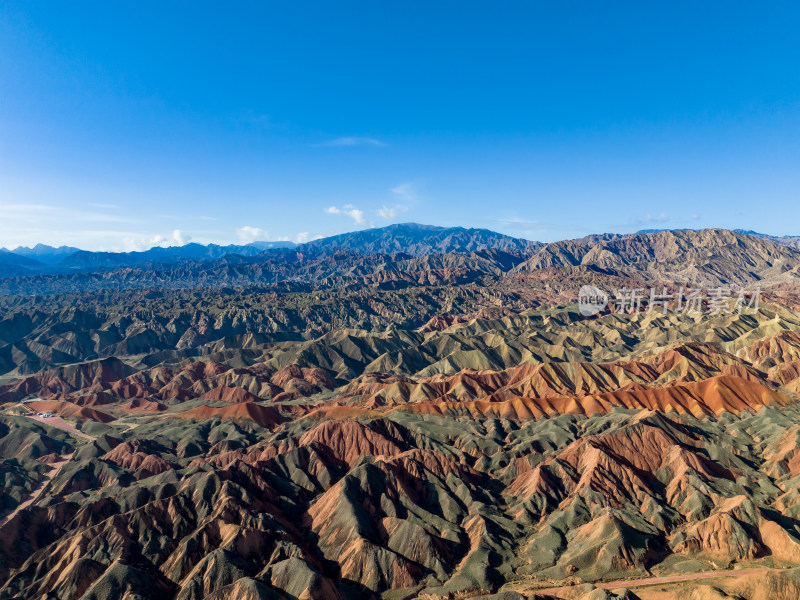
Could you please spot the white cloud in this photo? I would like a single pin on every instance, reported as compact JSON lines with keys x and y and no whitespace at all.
{"x":304,"y":236}
{"x":348,"y":210}
{"x":525,"y":225}
{"x":104,"y":218}
{"x":249,"y":234}
{"x":139,"y":244}
{"x":405,"y":192}
{"x":384,"y":212}
{"x":180,"y":237}
{"x":342,"y":142}
{"x":390,"y":212}
{"x":17,"y":209}
{"x":649,"y":218}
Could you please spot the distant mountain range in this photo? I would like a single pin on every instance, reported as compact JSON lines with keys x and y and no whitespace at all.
{"x":410,"y":239}
{"x":786,"y":240}
{"x":403,"y":253}
{"x":418,"y":240}
{"x":44,"y":254}
{"x":705,"y":257}
{"x":65,"y":258}
{"x":85,"y":259}
{"x":410,"y":411}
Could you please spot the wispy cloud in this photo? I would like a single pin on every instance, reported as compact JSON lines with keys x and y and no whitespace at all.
{"x":404,"y":194}
{"x":348,"y":210}
{"x":344,"y":142}
{"x":254,"y":118}
{"x":138,"y":244}
{"x":105,"y":218}
{"x":521,"y":227}
{"x":523,"y":223}
{"x":305,"y":236}
{"x":649,"y":218}
{"x":248,"y":234}
{"x":41,"y":213}
{"x":389,"y":212}
{"x":11,"y":208}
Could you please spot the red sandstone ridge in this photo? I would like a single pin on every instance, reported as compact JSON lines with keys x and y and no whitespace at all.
{"x":725,"y":393}
{"x":347,"y":441}
{"x":689,"y":362}
{"x":215,"y":381}
{"x":142,"y":464}
{"x":68,"y":409}
{"x":265,"y":416}
{"x":715,"y":395}
{"x":298,"y":382}
{"x":442,"y":322}
{"x":234,"y":395}
{"x":143,"y":406}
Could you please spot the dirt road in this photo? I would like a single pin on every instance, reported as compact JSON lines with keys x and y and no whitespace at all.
{"x":55,"y":467}
{"x":60,"y":423}
{"x":631,"y":583}
{"x":37,"y":491}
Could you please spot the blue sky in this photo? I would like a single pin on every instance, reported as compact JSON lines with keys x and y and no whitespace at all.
{"x":124,"y":125}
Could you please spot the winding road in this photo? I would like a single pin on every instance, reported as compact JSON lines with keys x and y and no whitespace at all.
{"x":37,"y":491}
{"x":55,"y":467}
{"x":63,"y":425}
{"x":631,"y":583}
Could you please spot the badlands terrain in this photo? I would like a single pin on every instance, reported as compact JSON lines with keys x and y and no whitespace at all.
{"x":399,"y":413}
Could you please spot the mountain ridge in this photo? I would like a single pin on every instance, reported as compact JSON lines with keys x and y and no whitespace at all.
{"x":351,"y":420}
{"x":44,"y":253}
{"x":404,"y":253}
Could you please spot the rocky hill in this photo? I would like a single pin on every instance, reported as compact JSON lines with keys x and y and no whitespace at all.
{"x":707,"y":257}
{"x":418,"y":240}
{"x":348,"y":420}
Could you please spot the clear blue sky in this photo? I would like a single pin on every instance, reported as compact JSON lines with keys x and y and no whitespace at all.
{"x":128,"y":124}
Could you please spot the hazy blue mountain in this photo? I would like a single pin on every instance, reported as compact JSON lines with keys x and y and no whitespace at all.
{"x":7,"y":257}
{"x":418,"y":240}
{"x":272,"y":245}
{"x":13,"y":265}
{"x":45,"y":254}
{"x":646,"y":231}
{"x":85,"y":259}
{"x":793,"y":241}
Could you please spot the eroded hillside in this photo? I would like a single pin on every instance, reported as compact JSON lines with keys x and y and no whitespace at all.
{"x":415,"y":426}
